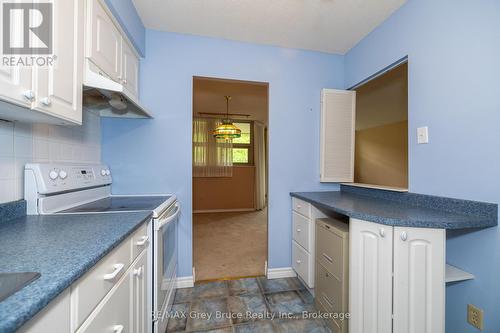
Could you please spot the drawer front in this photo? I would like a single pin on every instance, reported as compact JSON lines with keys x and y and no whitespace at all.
{"x":328,"y":290}
{"x":302,"y":264}
{"x":334,"y":324}
{"x":113,"y":315}
{"x":93,"y":286}
{"x":140,"y":241}
{"x":302,"y":230}
{"x":329,"y":250}
{"x":302,"y":207}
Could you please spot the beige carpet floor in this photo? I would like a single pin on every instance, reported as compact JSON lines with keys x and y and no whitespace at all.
{"x":229,"y":245}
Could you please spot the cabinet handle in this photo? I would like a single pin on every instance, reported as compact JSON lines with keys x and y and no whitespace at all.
{"x":404,"y":236}
{"x":138,"y":272}
{"x":299,"y":206}
{"x":118,"y":329}
{"x":46,"y":101}
{"x":124,"y":81}
{"x":382,"y":232}
{"x":299,"y":230}
{"x":111,"y":276}
{"x":143,"y":241}
{"x":327,"y":257}
{"x":29,"y":95}
{"x":299,"y":262}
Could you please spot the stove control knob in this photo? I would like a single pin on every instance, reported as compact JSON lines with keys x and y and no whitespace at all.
{"x":108,"y":172}
{"x":63,"y":174}
{"x":103,"y":172}
{"x":53,"y":175}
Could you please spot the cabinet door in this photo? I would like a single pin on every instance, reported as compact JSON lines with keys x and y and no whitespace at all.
{"x":130,"y":70}
{"x":59,"y":87}
{"x":140,"y":299}
{"x":419,"y":280}
{"x":113,"y":313}
{"x":104,"y":41}
{"x":15,"y":81}
{"x":338,"y":117}
{"x":370,"y":279}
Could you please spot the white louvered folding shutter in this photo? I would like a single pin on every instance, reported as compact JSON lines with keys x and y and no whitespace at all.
{"x":338,"y":117}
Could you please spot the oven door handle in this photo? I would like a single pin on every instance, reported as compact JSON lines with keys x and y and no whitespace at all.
{"x":164,"y":222}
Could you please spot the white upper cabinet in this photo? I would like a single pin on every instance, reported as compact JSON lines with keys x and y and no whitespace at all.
{"x":130,"y":70}
{"x":15,"y":82}
{"x":338,"y":117}
{"x":104,"y":41}
{"x":370,"y":277}
{"x":59,"y":87}
{"x":51,"y":93}
{"x":419,"y":280}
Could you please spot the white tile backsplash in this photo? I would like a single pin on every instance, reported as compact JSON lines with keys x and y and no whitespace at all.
{"x":22,"y":143}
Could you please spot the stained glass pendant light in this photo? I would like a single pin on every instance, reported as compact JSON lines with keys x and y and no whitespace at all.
{"x":227,"y":130}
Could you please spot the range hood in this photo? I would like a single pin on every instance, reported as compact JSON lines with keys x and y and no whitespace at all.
{"x":111,"y":99}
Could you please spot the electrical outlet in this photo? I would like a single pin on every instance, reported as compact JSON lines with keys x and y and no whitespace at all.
{"x":475,"y":316}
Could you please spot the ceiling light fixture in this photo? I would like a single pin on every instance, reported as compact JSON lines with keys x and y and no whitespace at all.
{"x":227,"y":130}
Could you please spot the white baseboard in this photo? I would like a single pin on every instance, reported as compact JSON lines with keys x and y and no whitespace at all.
{"x":283,"y":272}
{"x":224,"y":210}
{"x":184,"y":282}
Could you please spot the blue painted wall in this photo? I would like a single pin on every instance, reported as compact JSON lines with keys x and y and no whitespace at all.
{"x":152,"y":156}
{"x":454,"y":71}
{"x":126,"y":14}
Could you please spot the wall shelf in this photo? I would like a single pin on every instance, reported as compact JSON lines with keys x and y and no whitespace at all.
{"x":454,"y":274}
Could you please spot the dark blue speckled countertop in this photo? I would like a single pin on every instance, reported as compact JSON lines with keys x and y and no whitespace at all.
{"x":62,"y":248}
{"x":409,"y":210}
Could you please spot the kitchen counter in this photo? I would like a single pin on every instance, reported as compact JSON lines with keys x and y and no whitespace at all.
{"x":62,"y":248}
{"x":408,"y":210}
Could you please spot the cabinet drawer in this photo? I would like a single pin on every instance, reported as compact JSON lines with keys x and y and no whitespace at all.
{"x":329,"y":249}
{"x":302,"y":207}
{"x":113,"y":315}
{"x":139,"y":241}
{"x":334,"y":324}
{"x":87,"y":292}
{"x":302,"y":264}
{"x":302,"y":230}
{"x":328,"y":290}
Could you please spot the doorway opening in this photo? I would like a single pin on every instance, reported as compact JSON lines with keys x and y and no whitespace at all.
{"x":230,"y":218}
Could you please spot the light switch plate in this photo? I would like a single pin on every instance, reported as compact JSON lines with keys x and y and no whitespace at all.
{"x":423,"y":135}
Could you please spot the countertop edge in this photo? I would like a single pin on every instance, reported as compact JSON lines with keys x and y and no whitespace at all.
{"x":392,"y":221}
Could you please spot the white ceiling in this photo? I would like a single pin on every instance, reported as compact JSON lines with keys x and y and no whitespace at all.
{"x":333,"y":26}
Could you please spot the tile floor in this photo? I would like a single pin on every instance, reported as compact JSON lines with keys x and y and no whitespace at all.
{"x":245,"y":306}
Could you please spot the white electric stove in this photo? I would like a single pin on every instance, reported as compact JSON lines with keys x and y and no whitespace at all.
{"x":86,"y":189}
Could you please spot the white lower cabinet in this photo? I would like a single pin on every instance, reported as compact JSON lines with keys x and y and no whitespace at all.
{"x":55,"y":317}
{"x":303,"y":216}
{"x":139,"y":289}
{"x":370,"y":279}
{"x":113,"y":314}
{"x":419,"y":280}
{"x":397,"y":281}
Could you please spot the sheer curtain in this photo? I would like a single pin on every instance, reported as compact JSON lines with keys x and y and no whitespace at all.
{"x":211,"y":157}
{"x":260,"y":165}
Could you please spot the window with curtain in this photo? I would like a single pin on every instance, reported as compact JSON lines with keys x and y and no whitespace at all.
{"x":243,"y":147}
{"x":211,"y":157}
